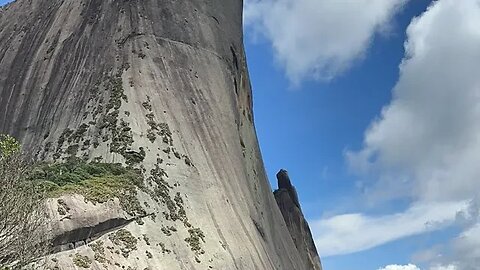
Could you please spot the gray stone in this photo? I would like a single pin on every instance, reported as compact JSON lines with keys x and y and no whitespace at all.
{"x":287,"y":200}
{"x":139,"y":82}
{"x":285,"y":183}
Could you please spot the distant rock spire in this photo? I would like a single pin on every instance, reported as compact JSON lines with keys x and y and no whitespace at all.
{"x":285,"y":183}
{"x":287,"y":200}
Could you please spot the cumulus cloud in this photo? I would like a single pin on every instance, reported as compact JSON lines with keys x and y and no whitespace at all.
{"x":466,"y":249}
{"x":462,"y":252}
{"x":429,"y":133}
{"x":444,"y":267}
{"x":426,"y":142}
{"x":400,"y":267}
{"x":318,"y":39}
{"x":349,"y":233}
{"x":414,"y":267}
{"x":468,"y":243}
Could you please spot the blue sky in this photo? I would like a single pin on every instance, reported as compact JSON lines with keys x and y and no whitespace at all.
{"x":373,"y":107}
{"x":307,"y":128}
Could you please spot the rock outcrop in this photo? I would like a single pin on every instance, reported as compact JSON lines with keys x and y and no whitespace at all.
{"x":160,"y":86}
{"x":287,"y":200}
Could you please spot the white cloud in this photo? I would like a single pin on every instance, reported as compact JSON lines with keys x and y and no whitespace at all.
{"x":466,"y":249}
{"x":468,"y":243}
{"x":429,"y":134}
{"x":414,"y":267}
{"x":444,"y":267}
{"x":349,"y":233}
{"x":426,"y":142}
{"x":318,"y":39}
{"x":400,"y":267}
{"x":462,"y":252}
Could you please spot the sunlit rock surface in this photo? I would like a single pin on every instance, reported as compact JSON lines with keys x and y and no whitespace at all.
{"x":161,"y":86}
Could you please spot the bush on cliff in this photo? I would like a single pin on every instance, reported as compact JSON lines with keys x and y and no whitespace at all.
{"x":23,"y":234}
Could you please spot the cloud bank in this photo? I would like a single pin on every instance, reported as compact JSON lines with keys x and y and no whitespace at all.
{"x":428,"y":138}
{"x":319,"y":39}
{"x":425,"y":145}
{"x":444,"y":267}
{"x":430,"y":134}
{"x":350,"y":233}
{"x":414,"y":267}
{"x":400,"y":267}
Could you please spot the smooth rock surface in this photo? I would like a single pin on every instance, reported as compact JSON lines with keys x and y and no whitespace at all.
{"x":158,"y":85}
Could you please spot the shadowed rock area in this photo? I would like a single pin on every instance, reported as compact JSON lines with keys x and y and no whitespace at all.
{"x":287,"y":200}
{"x":159,"y":86}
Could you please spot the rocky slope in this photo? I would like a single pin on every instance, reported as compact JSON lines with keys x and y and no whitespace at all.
{"x":287,"y":200}
{"x":161,"y":86}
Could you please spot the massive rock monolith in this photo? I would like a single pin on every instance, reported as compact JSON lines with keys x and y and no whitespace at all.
{"x":161,"y":86}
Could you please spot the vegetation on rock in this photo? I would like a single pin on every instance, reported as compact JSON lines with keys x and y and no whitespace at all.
{"x":82,"y":261}
{"x":8,"y":146}
{"x":125,"y":240}
{"x":99,"y":250}
{"x":97,"y":182}
{"x":23,"y":234}
{"x":196,"y":236}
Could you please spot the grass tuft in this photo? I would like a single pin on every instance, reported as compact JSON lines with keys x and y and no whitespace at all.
{"x":97,"y":182}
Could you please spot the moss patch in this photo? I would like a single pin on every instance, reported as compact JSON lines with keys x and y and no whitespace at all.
{"x":195,"y":239}
{"x":146,"y":239}
{"x":112,"y":126}
{"x":62,"y":207}
{"x":125,"y":240}
{"x":134,"y":157}
{"x":164,"y":249}
{"x":97,"y":182}
{"x":82,"y":261}
{"x":99,"y":250}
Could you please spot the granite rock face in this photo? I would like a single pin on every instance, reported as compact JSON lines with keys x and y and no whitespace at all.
{"x":161,"y":86}
{"x":287,"y":200}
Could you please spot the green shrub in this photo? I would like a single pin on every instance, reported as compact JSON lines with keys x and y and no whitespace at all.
{"x":97,"y":182}
{"x":82,"y":261}
{"x":8,"y":146}
{"x":23,"y":232}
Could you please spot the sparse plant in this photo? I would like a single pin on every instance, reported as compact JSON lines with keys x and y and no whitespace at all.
{"x":82,"y":261}
{"x":23,"y":231}
{"x":97,"y":182}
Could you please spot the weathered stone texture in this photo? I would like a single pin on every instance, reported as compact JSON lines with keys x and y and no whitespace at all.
{"x":158,"y":85}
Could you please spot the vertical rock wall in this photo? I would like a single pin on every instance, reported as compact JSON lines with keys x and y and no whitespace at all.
{"x":157,"y":85}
